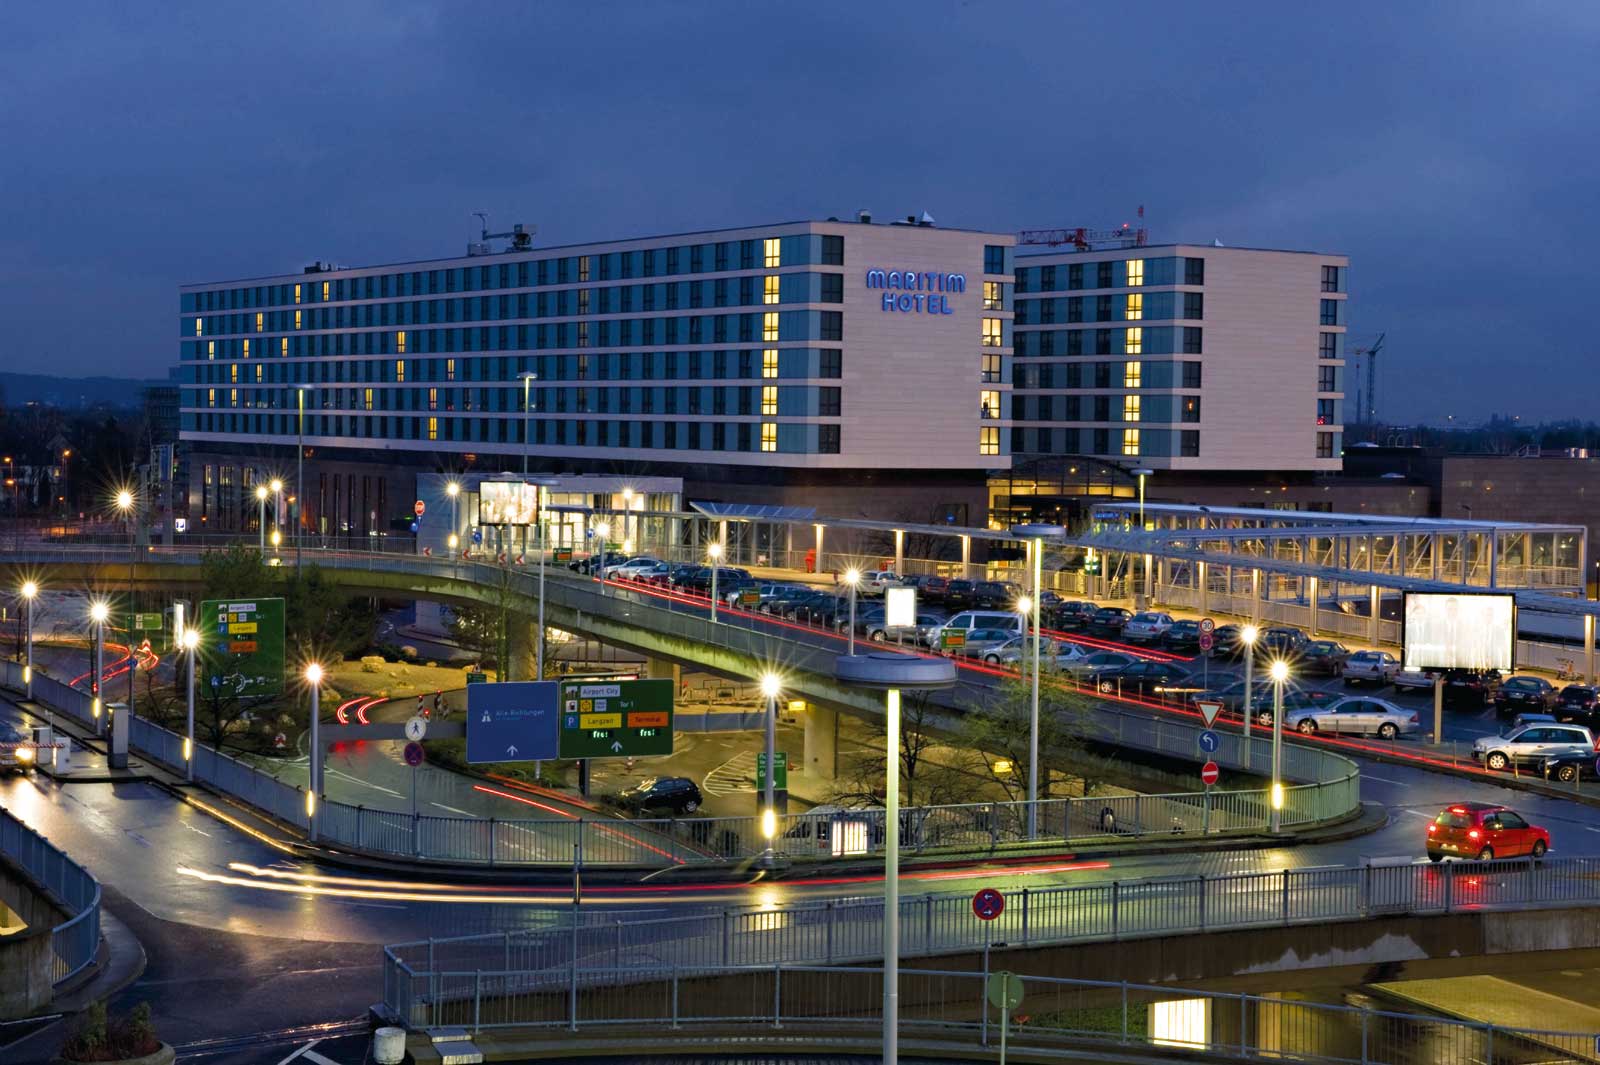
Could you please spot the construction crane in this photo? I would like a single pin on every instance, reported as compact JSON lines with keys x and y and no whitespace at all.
{"x":1082,"y":238}
{"x":1369,"y":412}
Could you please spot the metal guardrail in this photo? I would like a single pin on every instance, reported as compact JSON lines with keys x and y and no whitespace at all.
{"x":74,"y":941}
{"x":951,"y":1007}
{"x":850,"y":931}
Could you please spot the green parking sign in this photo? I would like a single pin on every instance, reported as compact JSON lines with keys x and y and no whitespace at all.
{"x":616,"y":718}
{"x":243,"y":643}
{"x":780,"y":780}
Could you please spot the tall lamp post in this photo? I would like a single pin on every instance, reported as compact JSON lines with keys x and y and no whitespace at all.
{"x":98,"y":612}
{"x":1138,"y":589}
{"x":314,"y":780}
{"x":528,"y":377}
{"x":852,"y":577}
{"x":125,"y":505}
{"x":190,"y":639}
{"x":771,"y":684}
{"x":1036,"y":534}
{"x":714,"y":552}
{"x":30,"y":591}
{"x":261,"y":517}
{"x":299,"y":472}
{"x":1248,"y":634}
{"x":275,"y":486}
{"x":1279,"y":673}
{"x":453,"y":490}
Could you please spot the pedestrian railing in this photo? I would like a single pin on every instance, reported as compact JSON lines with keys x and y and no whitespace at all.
{"x":1329,"y":792}
{"x":75,"y":940}
{"x":951,"y":1008}
{"x":850,"y":931}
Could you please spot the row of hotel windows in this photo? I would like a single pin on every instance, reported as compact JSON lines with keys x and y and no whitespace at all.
{"x":1132,"y":307}
{"x":624,"y":332}
{"x":1112,"y":273}
{"x":786,"y":438}
{"x":763,"y":254}
{"x":599,"y":366}
{"x":1129,"y":443}
{"x":1100,"y":408}
{"x":1134,"y":340}
{"x":626,"y":299}
{"x":826,"y":402}
{"x":1105,"y":375}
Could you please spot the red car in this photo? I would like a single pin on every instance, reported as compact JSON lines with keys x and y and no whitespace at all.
{"x":1483,"y":831}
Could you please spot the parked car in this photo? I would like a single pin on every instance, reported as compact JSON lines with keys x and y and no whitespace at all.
{"x":1147,"y":627}
{"x":700,"y":580}
{"x":1091,"y":666}
{"x":1358,"y":715}
{"x":958,"y":595}
{"x":874,"y":581}
{"x":1109,"y":620}
{"x":1532,"y":744}
{"x":1281,"y":641}
{"x":599,"y":561}
{"x":1145,"y":678}
{"x":772,"y":591}
{"x":733,"y":592}
{"x":1525,"y":693}
{"x":979,"y":642}
{"x":1293,"y":699}
{"x":628,"y":570}
{"x":977,"y":619}
{"x":1530,"y":718}
{"x":1071,"y":614}
{"x":995,"y":595}
{"x":930,"y":588}
{"x":678,"y":574}
{"x":1183,"y":635}
{"x":817,"y":608}
{"x":676,"y":795}
{"x":1326,"y":657}
{"x":926,"y":626}
{"x":1371,"y":667}
{"x":1484,"y":831}
{"x":1578,"y":702}
{"x":1227,"y":641}
{"x":1412,"y":680}
{"x":1568,"y":768}
{"x":1054,"y":656}
{"x":1470,"y":689}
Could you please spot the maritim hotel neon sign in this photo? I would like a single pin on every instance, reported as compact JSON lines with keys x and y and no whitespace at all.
{"x":916,"y":292}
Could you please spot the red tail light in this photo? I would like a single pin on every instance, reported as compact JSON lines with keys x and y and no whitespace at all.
{"x":1472,"y":833}
{"x":1432,"y":828}
{"x":1415,"y":720}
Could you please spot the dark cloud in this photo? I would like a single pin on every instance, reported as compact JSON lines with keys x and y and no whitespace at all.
{"x":1446,"y":147}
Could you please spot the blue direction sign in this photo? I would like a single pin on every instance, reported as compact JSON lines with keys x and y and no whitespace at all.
{"x":1209,"y":741}
{"x":513,"y":722}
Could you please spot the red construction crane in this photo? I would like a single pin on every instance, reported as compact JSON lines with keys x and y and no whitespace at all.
{"x":1084,"y":239}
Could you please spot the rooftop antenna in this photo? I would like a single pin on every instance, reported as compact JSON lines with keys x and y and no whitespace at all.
{"x":483,"y":219}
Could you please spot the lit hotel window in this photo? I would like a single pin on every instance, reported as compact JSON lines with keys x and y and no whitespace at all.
{"x":1135,"y":273}
{"x":769,"y":399}
{"x":283,"y":347}
{"x":211,"y":397}
{"x":399,"y":369}
{"x":769,"y":362}
{"x":297,"y":293}
{"x":233,"y":373}
{"x":211,"y":349}
{"x":400,"y":342}
{"x":769,"y":436}
{"x":1130,"y":408}
{"x":991,"y":368}
{"x":1135,"y":310}
{"x":433,"y":400}
{"x":988,"y":404}
{"x":1130,"y":441}
{"x":369,"y":398}
{"x":325,"y":292}
{"x":259,"y":368}
{"x":247,"y":349}
{"x":433,"y":428}
{"x":988,"y":440}
{"x":1133,"y":375}
{"x":769,"y":326}
{"x":297,"y":319}
{"x":260,"y":321}
{"x":771,"y":249}
{"x":199,"y":326}
{"x":449,"y":369}
{"x":992,"y":333}
{"x":991,"y":296}
{"x":233,"y":397}
{"x":769,"y":293}
{"x":1134,"y":343}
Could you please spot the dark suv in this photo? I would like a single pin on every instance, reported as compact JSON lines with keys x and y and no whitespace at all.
{"x":958,"y":595}
{"x":1470,"y":688}
{"x":677,"y":795}
{"x":1110,"y":619}
{"x":1072,"y":614}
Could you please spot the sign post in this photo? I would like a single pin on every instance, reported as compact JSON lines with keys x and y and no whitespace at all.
{"x":1004,"y":994}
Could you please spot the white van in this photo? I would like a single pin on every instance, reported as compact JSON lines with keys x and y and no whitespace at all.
{"x":969,"y":620}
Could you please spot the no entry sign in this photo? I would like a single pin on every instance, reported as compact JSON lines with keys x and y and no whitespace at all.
{"x":1209,"y":774}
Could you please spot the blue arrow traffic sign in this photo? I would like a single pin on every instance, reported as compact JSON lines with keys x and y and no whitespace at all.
{"x":1209,"y":741}
{"x":513,"y":722}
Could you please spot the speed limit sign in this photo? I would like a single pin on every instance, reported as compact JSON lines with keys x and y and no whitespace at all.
{"x":1207,"y":626}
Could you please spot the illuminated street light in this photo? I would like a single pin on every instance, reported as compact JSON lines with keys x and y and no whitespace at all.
{"x":98,"y":613}
{"x":1248,"y":634}
{"x":852,"y":577}
{"x":714,"y":551}
{"x":261,"y":517}
{"x":314,"y":783}
{"x":453,"y":490}
{"x":30,"y":591}
{"x":1279,"y":673}
{"x":190,"y":641}
{"x":771,"y":685}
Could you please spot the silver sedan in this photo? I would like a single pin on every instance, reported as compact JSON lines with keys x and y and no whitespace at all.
{"x":1355,"y":716}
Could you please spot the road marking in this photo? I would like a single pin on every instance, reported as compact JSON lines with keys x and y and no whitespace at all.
{"x":364,"y":783}
{"x":735,"y":775}
{"x":191,"y":828}
{"x":300,"y":1051}
{"x":452,"y":809}
{"x":313,"y":1056}
{"x":1387,"y":780}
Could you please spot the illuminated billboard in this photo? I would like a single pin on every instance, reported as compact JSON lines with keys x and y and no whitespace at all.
{"x":1450,"y":630}
{"x":506,"y":503}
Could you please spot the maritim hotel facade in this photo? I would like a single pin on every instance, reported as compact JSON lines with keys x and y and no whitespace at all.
{"x":860,"y":368}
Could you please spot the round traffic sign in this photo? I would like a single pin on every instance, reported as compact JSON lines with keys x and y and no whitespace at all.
{"x":413,"y":754}
{"x":1209,"y":774}
{"x":1004,"y":991}
{"x":1207,"y":625}
{"x":280,"y":741}
{"x":416,"y":728}
{"x":419,"y":508}
{"x":988,"y":904}
{"x":1207,"y":641}
{"x":1209,"y":741}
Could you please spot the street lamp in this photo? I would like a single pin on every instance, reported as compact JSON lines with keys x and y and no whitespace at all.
{"x":314,"y":782}
{"x":771,"y":685}
{"x":30,"y":590}
{"x":852,"y":577}
{"x":299,"y":473}
{"x":261,"y":516}
{"x":1279,"y":673}
{"x":275,"y":486}
{"x":528,"y":377}
{"x":714,"y":550}
{"x":98,"y":612}
{"x":190,"y":639}
{"x":602,"y":531}
{"x":1248,"y":634}
{"x":125,"y":505}
{"x":453,"y":490}
{"x":1138,"y":589}
{"x":1035,"y":534}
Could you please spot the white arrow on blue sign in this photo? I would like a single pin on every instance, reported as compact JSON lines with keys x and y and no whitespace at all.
{"x":1209,"y":741}
{"x":514,"y":721}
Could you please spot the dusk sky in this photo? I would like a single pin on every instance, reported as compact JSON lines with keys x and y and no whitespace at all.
{"x":1448,"y":148}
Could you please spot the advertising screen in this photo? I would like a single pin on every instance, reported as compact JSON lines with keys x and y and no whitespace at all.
{"x":1446,"y":630}
{"x":506,"y":503}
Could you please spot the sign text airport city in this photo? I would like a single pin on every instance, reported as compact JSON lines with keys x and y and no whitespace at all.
{"x":916,"y":292}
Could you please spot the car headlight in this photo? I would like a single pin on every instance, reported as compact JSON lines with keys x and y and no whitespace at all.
{"x":24,"y":754}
